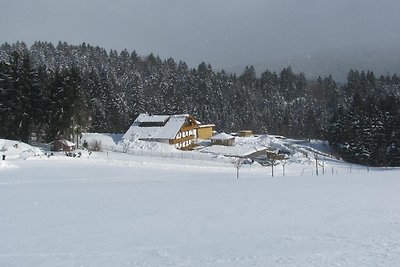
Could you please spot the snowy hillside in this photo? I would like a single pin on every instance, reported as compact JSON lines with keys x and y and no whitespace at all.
{"x":118,"y":209}
{"x":18,"y":150}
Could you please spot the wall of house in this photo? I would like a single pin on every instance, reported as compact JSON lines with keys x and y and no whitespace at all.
{"x":245,"y":133}
{"x":58,"y":146}
{"x":204,"y":133}
{"x":184,"y":138}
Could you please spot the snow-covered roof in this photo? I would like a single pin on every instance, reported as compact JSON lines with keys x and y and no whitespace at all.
{"x":161,"y":127}
{"x":67,"y":143}
{"x":64,"y":142}
{"x":222,"y":136}
{"x":206,"y":125}
{"x":232,"y":151}
{"x":142,"y":118}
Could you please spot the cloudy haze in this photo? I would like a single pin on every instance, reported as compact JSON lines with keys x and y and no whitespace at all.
{"x":221,"y":32}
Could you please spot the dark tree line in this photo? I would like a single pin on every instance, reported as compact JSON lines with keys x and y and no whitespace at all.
{"x":57,"y":91}
{"x":365,"y":127}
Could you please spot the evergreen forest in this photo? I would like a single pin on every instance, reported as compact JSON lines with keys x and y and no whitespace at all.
{"x":51,"y":91}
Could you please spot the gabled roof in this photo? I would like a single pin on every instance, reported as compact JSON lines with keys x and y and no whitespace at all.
{"x":222,"y":136}
{"x":158,"y":127}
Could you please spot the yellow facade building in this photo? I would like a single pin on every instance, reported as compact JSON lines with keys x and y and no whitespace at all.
{"x":205,"y":131}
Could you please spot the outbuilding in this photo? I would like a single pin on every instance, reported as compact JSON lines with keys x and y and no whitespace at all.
{"x":245,"y":133}
{"x":62,"y":145}
{"x":205,"y":131}
{"x":223,"y":139}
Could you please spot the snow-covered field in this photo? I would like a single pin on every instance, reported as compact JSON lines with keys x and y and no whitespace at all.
{"x":115,"y":209}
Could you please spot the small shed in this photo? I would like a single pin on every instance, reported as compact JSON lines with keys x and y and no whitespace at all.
{"x":62,"y":145}
{"x":223,"y":139}
{"x":245,"y":133}
{"x":205,"y":131}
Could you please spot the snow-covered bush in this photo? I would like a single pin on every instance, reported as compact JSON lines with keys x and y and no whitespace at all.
{"x":95,"y":145}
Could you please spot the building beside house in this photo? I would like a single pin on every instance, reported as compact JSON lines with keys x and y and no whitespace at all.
{"x":176,"y":130}
{"x":62,"y":145}
{"x":223,"y":139}
{"x":205,"y":131}
{"x":245,"y":133}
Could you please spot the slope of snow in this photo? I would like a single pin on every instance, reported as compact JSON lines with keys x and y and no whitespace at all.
{"x":115,"y":209}
{"x":15,"y":149}
{"x":149,"y":146}
{"x":5,"y":165}
{"x":108,"y":141}
{"x":237,"y":150}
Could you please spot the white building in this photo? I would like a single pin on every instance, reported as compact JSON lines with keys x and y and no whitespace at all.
{"x":177,"y":130}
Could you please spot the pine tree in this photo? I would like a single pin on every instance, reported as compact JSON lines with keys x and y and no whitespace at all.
{"x":6,"y":112}
{"x":56,"y":112}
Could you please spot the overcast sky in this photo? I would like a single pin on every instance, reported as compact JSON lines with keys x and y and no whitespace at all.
{"x":224,"y":33}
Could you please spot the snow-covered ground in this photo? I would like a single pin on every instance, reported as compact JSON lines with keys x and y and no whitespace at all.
{"x":117,"y":209}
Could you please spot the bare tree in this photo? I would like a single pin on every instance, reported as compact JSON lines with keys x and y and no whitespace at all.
{"x":95,"y":145}
{"x":127,"y":142}
{"x":284,"y":162}
{"x":238,"y":163}
{"x":126,"y":145}
{"x":274,"y":159}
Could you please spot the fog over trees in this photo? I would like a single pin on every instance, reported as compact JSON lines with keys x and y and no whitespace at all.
{"x":226,"y":33}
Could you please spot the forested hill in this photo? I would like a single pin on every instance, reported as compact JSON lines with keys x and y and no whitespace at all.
{"x":52,"y":91}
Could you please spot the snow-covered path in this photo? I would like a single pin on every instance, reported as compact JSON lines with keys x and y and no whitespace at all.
{"x":91,"y":213}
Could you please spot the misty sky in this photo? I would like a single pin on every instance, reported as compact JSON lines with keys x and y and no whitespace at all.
{"x":224,"y":33}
